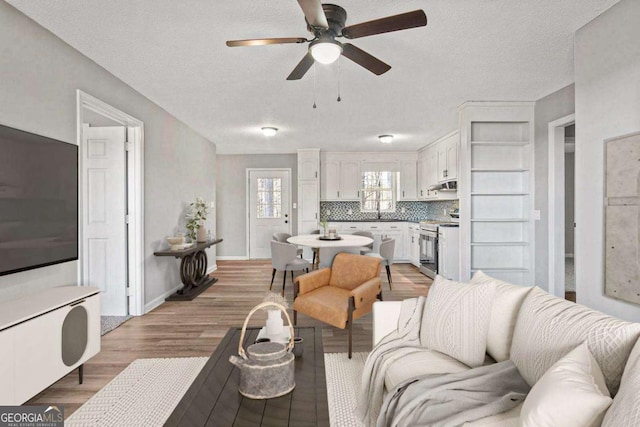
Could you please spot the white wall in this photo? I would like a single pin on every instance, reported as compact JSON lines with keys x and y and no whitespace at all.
{"x":231,"y":193}
{"x":39,"y":76}
{"x":552,"y":107}
{"x":607,"y":67}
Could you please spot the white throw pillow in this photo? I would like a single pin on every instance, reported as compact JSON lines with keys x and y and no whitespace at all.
{"x":625,"y":411}
{"x":572,"y":393}
{"x":504,"y":313}
{"x":456,"y":320}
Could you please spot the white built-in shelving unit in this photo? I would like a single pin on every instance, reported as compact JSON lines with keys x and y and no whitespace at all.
{"x":496,"y":190}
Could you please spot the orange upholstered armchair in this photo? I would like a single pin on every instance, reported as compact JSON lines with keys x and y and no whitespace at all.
{"x":340,"y":294}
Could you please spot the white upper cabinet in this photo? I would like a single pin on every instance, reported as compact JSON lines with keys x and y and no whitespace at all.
{"x":432,"y":154}
{"x":308,"y":164}
{"x":423,"y":174}
{"x":350,"y":180}
{"x":408,"y":180}
{"x":340,"y":177}
{"x":447,"y":154}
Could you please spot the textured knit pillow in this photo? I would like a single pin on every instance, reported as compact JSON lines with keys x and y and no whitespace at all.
{"x":504,"y":312}
{"x":549,"y":327}
{"x":572,"y":393}
{"x":625,"y":411}
{"x":456,"y":320}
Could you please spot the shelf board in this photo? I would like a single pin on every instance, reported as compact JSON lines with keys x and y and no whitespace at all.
{"x":499,"y":170}
{"x":499,"y":220}
{"x":500,"y":143}
{"x":500,"y":194}
{"x":500,"y":244}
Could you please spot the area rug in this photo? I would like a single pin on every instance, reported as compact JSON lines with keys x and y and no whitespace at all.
{"x":343,"y":384}
{"x":109,"y":323}
{"x":148,"y":390}
{"x":144,"y":394}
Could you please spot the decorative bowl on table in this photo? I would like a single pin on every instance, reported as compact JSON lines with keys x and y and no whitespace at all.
{"x":177,"y":243}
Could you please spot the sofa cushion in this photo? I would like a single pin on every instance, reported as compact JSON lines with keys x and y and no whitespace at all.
{"x":350,"y":271}
{"x":456,"y":320}
{"x":572,"y":393}
{"x":420,"y":362}
{"x":506,"y":305}
{"x":549,"y":327}
{"x":625,"y":411}
{"x":506,"y":419}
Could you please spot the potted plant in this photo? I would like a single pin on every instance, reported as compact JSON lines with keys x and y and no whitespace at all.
{"x":195,"y":220}
{"x":324,"y":224}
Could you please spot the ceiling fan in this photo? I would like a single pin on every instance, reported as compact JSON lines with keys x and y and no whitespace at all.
{"x":327,"y":22}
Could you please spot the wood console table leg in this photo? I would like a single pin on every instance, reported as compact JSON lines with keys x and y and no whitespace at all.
{"x":80,"y":373}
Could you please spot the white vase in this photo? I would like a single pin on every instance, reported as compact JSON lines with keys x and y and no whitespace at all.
{"x":201,"y":234}
{"x":275,"y":325}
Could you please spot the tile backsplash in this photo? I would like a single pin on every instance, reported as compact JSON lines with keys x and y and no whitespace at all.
{"x":413,"y":211}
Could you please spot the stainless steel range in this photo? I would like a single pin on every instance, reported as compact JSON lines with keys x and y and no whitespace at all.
{"x":429,"y":246}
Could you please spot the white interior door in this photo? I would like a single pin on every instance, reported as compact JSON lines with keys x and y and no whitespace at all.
{"x":104,"y":234}
{"x":269,"y":209}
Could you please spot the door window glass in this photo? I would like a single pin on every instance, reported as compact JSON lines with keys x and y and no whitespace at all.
{"x":269,"y":200}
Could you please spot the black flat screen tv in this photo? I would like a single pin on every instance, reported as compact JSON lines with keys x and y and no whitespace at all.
{"x":38,"y":201}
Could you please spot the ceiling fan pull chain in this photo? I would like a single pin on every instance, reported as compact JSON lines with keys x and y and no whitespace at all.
{"x":339,"y":73}
{"x":314,"y":85}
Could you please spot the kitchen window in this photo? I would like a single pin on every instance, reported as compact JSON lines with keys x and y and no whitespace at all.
{"x":378,"y":191}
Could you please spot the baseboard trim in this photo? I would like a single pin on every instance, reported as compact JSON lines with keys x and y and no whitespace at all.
{"x":212,"y":268}
{"x":232,"y":258}
{"x":156,"y":302}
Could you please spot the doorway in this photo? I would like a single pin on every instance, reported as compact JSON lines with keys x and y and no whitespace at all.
{"x":561,"y":232}
{"x":111,"y":211}
{"x":268,"y":208}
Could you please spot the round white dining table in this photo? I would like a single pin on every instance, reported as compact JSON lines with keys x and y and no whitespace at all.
{"x":313,"y":241}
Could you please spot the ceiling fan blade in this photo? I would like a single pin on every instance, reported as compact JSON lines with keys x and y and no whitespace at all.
{"x":404,"y":21}
{"x":262,"y":42}
{"x":313,"y":12}
{"x":302,"y":67}
{"x":364,"y":59}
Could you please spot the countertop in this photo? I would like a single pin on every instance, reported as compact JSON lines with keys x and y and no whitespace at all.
{"x":374,"y":220}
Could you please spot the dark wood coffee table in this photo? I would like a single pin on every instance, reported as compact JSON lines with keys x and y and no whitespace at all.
{"x":213,"y":398}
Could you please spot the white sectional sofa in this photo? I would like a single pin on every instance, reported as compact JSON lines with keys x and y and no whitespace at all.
{"x":535,"y":330}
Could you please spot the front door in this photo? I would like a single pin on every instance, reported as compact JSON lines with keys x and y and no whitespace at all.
{"x":104,"y":233}
{"x":269,"y":209}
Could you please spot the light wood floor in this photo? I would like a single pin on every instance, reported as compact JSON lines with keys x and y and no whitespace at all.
{"x":188,"y":329}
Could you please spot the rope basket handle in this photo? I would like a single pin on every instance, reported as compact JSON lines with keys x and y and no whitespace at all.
{"x":241,"y":351}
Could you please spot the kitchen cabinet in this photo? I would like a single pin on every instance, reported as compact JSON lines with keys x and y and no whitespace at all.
{"x":340,"y":178}
{"x":432,"y":171}
{"x":449,"y":252}
{"x":447,"y":158}
{"x":308,"y":193}
{"x":308,"y":164}
{"x":397,"y":230}
{"x":408,"y":180}
{"x":413,"y":244}
{"x":423,"y":177}
{"x":350,"y":179}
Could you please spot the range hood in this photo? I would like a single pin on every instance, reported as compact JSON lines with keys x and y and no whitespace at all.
{"x":445,"y":186}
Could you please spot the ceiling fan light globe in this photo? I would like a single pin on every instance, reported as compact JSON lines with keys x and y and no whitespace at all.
{"x":325,"y":52}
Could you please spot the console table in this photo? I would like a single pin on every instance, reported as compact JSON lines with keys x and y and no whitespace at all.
{"x":193,"y":270}
{"x":214,"y":400}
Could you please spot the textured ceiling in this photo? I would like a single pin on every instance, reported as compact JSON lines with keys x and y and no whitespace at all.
{"x":174,"y":53}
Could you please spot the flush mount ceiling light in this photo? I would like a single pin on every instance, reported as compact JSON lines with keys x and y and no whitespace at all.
{"x":269,"y":131}
{"x":325,"y":50}
{"x":386,"y":139}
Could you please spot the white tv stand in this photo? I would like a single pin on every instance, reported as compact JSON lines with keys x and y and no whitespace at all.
{"x":44,"y":336}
